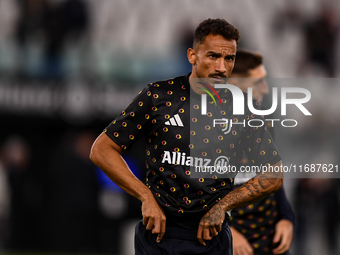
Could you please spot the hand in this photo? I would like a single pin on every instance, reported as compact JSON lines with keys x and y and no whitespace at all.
{"x":283,"y":233}
{"x":154,"y":217}
{"x":210,"y":224}
{"x":241,"y":246}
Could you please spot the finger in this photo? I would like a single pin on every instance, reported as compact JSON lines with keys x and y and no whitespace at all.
{"x":245,"y":249}
{"x":213,"y":231}
{"x":149,"y":226}
{"x":241,"y":251}
{"x":206,"y":234}
{"x":238,"y":251}
{"x":283,"y":247}
{"x":287,"y":238}
{"x":200,"y":235}
{"x":156,"y":226}
{"x":283,"y":244}
{"x":145,"y":220}
{"x":277,"y":237}
{"x":280,"y":249}
{"x":248,"y":250}
{"x":219,"y":228}
{"x":162,"y":231}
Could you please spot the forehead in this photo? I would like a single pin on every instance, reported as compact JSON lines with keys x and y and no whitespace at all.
{"x":258,"y":72}
{"x":218,"y":44}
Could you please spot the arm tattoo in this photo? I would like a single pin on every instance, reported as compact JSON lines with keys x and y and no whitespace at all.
{"x":215,"y":216}
{"x":254,"y":190}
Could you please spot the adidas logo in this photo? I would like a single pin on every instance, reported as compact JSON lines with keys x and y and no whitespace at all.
{"x":175,"y":121}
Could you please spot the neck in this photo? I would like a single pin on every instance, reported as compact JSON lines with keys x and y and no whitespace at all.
{"x":198,"y":87}
{"x":195,"y":85}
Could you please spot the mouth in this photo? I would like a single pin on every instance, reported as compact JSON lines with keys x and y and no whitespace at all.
{"x":219,"y":80}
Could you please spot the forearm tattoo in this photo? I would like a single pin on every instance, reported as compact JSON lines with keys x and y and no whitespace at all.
{"x":254,"y":190}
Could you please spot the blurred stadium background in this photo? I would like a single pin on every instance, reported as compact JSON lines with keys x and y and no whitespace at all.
{"x":68,"y":67}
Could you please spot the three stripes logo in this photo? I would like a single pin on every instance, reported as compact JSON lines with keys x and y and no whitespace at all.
{"x":175,"y":121}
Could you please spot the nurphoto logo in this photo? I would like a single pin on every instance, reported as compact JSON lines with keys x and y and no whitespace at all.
{"x":238,"y":106}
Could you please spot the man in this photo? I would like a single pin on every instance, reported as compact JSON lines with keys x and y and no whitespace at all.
{"x":188,"y":212}
{"x":260,"y":226}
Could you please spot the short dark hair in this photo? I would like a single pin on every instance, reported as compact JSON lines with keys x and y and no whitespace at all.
{"x":215,"y":27}
{"x":246,"y":61}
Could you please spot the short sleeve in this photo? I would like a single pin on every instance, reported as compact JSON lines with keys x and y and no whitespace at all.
{"x":133,"y":122}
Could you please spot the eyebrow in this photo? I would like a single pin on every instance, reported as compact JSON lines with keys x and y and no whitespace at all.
{"x":258,"y":80}
{"x":220,"y":54}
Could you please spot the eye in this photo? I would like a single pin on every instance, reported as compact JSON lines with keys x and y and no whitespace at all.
{"x":213,"y":56}
{"x":230,"y":58}
{"x":259,"y":82}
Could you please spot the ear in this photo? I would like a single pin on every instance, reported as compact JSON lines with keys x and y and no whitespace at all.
{"x":191,"y":56}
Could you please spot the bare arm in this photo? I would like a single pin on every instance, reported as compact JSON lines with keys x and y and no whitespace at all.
{"x":253,"y":190}
{"x":106,"y":155}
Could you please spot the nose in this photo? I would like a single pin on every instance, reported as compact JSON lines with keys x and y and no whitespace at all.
{"x":264,"y":90}
{"x":220,"y":66}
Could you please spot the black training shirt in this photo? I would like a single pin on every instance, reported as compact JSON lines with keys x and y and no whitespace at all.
{"x":179,"y":137}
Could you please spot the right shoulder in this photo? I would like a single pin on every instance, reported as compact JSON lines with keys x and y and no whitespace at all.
{"x":169,"y":84}
{"x":164,"y":87}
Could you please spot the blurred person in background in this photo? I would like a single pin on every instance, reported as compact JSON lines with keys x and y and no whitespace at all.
{"x":264,"y":227}
{"x":29,"y":31}
{"x":72,"y":196}
{"x":53,"y":25}
{"x":320,"y":196}
{"x":188,"y":212}
{"x":25,"y":194}
{"x":320,"y":42}
{"x":4,"y":205}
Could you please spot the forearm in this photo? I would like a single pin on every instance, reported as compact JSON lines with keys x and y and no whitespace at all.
{"x":106,"y":155}
{"x":253,"y":190}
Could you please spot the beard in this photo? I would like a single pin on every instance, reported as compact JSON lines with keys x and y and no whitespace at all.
{"x":209,"y":79}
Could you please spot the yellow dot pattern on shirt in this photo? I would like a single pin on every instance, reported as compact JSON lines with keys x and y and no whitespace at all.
{"x":207,"y":128}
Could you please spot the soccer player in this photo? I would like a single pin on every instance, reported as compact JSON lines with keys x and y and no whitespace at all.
{"x":184,"y":215}
{"x":259,"y":227}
